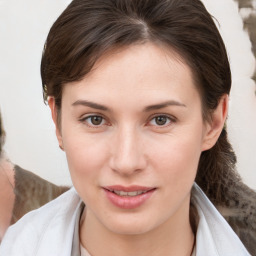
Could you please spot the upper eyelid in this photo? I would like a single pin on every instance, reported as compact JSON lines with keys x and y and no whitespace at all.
{"x":83,"y":118}
{"x":171,"y":117}
{"x":172,"y":121}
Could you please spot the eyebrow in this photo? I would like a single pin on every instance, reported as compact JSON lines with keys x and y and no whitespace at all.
{"x":90,"y":104}
{"x":164,"y":105}
{"x":146,"y":109}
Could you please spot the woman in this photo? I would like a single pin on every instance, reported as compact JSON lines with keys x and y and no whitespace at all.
{"x":138,"y":91}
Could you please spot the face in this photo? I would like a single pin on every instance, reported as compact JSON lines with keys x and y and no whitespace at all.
{"x":133,"y":133}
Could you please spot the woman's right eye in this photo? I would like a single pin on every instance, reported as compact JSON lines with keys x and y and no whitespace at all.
{"x":94,"y":121}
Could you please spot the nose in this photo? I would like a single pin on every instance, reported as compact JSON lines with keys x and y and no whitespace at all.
{"x":127,"y":156}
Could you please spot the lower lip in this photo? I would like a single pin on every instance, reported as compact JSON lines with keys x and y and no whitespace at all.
{"x":128,"y":202}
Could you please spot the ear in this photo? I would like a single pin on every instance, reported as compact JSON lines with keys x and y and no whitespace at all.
{"x":214,"y":127}
{"x":54,"y":112}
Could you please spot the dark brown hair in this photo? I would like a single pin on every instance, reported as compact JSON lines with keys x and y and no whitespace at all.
{"x":88,"y":29}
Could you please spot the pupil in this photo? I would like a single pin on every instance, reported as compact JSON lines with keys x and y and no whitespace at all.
{"x":161,"y":120}
{"x":96,"y":120}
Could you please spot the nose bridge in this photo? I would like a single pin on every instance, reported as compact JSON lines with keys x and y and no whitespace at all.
{"x":127,"y":155}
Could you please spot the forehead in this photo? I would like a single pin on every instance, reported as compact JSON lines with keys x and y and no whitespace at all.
{"x":138,"y":71}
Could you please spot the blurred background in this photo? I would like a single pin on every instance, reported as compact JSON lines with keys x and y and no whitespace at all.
{"x":30,"y":133}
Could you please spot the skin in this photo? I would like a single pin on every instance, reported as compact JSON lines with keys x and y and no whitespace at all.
{"x":129,"y":146}
{"x":7,"y":196}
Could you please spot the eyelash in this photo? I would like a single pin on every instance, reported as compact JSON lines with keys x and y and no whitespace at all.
{"x":170,"y":120}
{"x":85,"y":119}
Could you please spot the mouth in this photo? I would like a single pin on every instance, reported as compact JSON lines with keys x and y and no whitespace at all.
{"x":128,"y":197}
{"x":129,"y":194}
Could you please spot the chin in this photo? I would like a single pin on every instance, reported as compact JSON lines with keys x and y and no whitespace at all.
{"x":128,"y":226}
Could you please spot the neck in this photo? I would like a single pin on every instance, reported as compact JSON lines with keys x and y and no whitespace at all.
{"x":173,"y":237}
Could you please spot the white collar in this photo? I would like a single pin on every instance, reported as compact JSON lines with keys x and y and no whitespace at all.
{"x":214,"y":235}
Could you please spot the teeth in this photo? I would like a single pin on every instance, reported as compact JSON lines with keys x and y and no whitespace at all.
{"x":133,"y":193}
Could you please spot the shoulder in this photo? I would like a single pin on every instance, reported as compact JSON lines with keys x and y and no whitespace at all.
{"x":40,"y":226}
{"x":240,"y":212}
{"x":214,"y":235}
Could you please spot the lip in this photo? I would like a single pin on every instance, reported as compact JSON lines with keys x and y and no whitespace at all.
{"x":128,"y":189}
{"x":128,"y":202}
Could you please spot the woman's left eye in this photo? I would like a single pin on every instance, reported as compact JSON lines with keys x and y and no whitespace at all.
{"x":161,"y":120}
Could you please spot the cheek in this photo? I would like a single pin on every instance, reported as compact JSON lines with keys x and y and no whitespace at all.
{"x":177,"y":159}
{"x":85,"y":162}
{"x":85,"y":158}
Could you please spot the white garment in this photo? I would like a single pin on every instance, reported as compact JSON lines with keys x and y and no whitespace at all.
{"x":84,"y":251}
{"x":52,"y":230}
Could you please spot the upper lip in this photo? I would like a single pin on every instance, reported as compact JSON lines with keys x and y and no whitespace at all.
{"x":128,"y":188}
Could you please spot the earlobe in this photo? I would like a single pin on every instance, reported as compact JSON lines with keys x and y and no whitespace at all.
{"x":54,"y":113}
{"x":216,"y":124}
